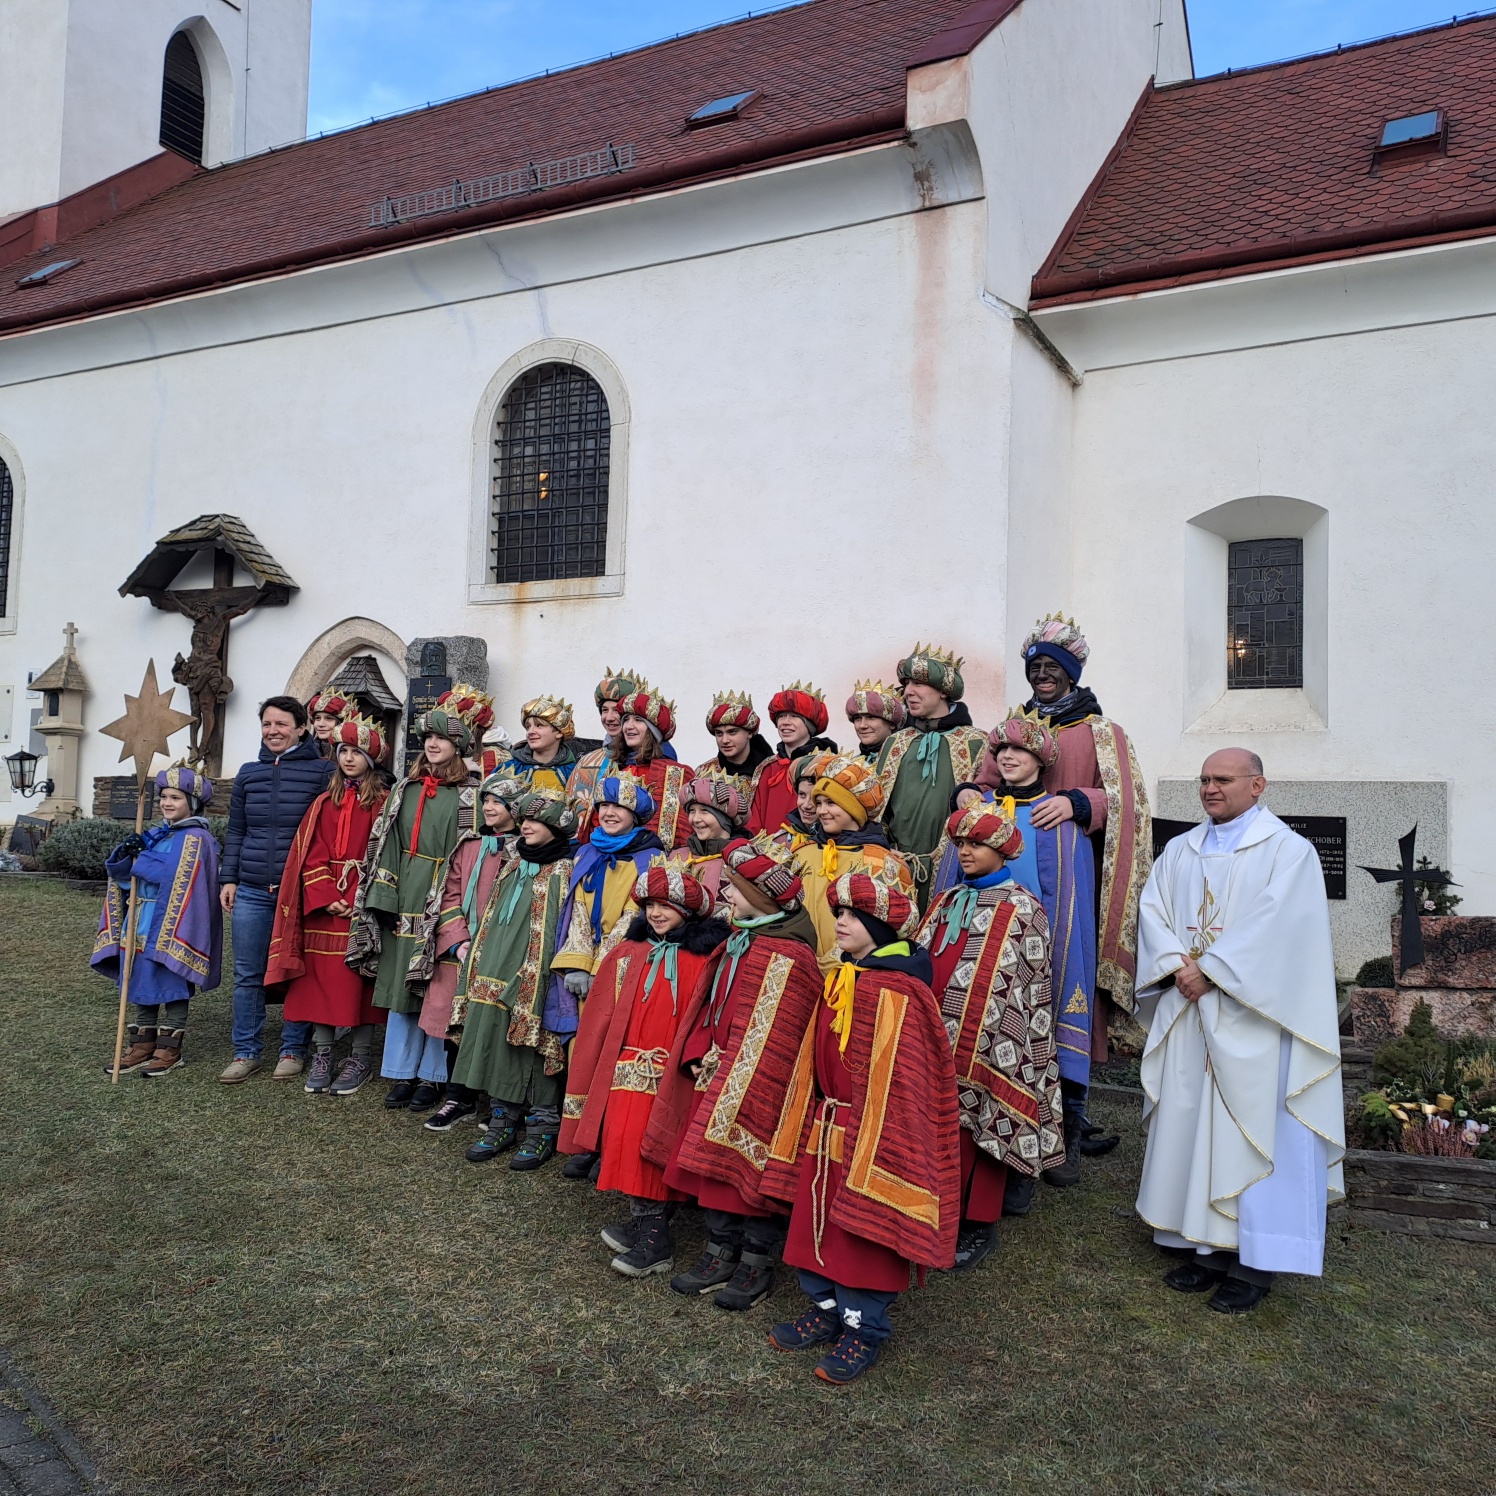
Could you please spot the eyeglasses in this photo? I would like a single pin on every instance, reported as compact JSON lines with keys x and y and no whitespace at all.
{"x":1221,"y":780}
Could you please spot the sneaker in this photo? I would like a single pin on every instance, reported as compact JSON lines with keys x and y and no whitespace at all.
{"x":974,"y":1245}
{"x":847,"y":1359}
{"x":619,"y":1238}
{"x":652,"y":1251}
{"x":538,"y":1148}
{"x":498,"y":1137}
{"x":137,"y":1053}
{"x":168,"y":1057}
{"x":716,"y":1266}
{"x":750,"y":1285}
{"x":578,"y":1166}
{"x":425,"y":1096}
{"x":319,"y":1073}
{"x":240,"y":1069}
{"x":448,"y":1115}
{"x":815,"y":1327}
{"x":352,"y":1073}
{"x":398,"y":1096}
{"x":288,"y":1067}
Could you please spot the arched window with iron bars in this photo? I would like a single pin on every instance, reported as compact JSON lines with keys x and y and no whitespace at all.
{"x":183,"y":100}
{"x":550,"y":480}
{"x":7,"y":528}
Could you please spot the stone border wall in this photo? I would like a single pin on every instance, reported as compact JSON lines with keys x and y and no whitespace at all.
{"x":1419,"y":1196}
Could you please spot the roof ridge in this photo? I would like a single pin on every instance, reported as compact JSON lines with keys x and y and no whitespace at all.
{"x":1340,"y":49}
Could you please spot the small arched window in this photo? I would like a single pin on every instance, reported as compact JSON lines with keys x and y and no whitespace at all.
{"x":550,"y":480}
{"x":7,"y":526}
{"x":182,"y":99}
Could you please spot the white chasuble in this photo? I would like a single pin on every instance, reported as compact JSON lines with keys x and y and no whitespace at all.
{"x":1243,"y":1110}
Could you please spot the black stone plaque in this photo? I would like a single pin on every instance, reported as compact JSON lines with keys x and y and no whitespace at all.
{"x":1326,"y":834}
{"x":122,"y":797}
{"x":422,"y":693}
{"x":28,"y":833}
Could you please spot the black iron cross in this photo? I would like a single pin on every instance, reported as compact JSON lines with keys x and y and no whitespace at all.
{"x":1410,"y":877}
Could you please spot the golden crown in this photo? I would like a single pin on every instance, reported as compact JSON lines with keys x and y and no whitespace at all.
{"x":808,"y":689}
{"x":938,"y":654}
{"x":733,"y":698}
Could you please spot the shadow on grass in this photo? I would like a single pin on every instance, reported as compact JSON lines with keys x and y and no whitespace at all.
{"x":254,"y":1290}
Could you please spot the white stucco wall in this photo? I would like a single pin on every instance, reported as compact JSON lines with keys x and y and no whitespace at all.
{"x":817,"y":433}
{"x":1360,"y":389}
{"x":82,"y":84}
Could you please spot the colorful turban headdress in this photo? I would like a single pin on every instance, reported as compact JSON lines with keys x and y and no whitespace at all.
{"x":876,"y":899}
{"x":616,"y":685}
{"x":991,"y":823}
{"x":631,"y":793}
{"x":334,"y":703}
{"x":732,"y":709}
{"x":1024,"y":729}
{"x":193,"y":783}
{"x":728,"y":795}
{"x":549,"y":807}
{"x":928,"y":665}
{"x":874,"y":699}
{"x":664,"y":882}
{"x":653,"y":708}
{"x":362,"y":733}
{"x":1060,"y":640}
{"x":851,"y":783}
{"x":552,"y":710}
{"x":804,"y":700}
{"x":748,"y":861}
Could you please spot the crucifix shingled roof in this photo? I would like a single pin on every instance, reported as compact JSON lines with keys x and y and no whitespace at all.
{"x":212,"y":609}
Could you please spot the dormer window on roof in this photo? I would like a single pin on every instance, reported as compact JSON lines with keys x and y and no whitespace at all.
{"x":729,"y":106}
{"x":1425,"y":129}
{"x":46,"y":273}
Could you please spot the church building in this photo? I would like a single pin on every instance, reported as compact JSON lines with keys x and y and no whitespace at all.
{"x":758,"y":354}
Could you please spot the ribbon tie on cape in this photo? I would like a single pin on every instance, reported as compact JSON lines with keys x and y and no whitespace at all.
{"x":609,"y":846}
{"x":525,"y":872}
{"x":928,"y":753}
{"x":663,"y":955}
{"x":957,"y":918}
{"x":430,"y":784}
{"x":489,"y":848}
{"x":830,"y":862}
{"x":737,"y":947}
{"x":840,"y":986}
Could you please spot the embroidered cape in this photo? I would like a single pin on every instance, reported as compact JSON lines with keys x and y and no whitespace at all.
{"x":184,"y":932}
{"x":996,"y":1008}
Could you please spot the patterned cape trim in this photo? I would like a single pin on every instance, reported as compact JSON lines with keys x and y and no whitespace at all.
{"x":1126,"y":861}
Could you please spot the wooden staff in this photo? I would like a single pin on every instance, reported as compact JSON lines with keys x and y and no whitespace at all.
{"x":124,"y":981}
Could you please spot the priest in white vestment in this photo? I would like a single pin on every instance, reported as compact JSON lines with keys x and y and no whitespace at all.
{"x":1236,"y":984}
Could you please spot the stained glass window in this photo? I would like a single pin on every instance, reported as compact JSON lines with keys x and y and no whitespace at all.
{"x":550,"y":486}
{"x":1265,"y":615}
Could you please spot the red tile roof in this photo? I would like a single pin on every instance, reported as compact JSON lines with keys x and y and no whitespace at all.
{"x":831,"y":74}
{"x":1273,"y":166}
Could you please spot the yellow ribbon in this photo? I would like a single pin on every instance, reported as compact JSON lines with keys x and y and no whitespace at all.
{"x":829,"y":861}
{"x":841,"y":984}
{"x":1009,"y":808}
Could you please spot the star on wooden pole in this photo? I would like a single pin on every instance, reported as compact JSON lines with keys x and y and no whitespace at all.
{"x":149,"y":722}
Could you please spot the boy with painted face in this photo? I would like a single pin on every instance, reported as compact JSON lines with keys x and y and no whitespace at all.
{"x":178,"y":922}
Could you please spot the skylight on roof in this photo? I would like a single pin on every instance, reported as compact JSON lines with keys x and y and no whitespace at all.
{"x":729,"y":106}
{"x":1412,"y":129}
{"x":42,"y":276}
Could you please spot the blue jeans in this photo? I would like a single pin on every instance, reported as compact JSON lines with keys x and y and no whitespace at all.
{"x":864,"y":1310}
{"x":252,"y":922}
{"x":410,"y":1053}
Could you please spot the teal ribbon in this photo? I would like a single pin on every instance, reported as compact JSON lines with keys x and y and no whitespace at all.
{"x":489,"y":848}
{"x":662,"y":953}
{"x":958,"y":915}
{"x":522,"y":875}
{"x":928,"y":754}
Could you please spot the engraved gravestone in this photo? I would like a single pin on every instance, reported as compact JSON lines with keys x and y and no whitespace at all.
{"x":432,"y":666}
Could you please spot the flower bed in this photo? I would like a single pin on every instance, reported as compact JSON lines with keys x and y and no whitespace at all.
{"x":1420,"y":1196}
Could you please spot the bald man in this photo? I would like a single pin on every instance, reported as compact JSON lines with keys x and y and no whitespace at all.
{"x":1243,"y":1106}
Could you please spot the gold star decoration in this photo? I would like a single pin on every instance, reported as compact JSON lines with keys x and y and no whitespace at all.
{"x":148,"y":723}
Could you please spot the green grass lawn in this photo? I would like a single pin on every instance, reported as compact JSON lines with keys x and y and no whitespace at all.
{"x":253,"y":1290}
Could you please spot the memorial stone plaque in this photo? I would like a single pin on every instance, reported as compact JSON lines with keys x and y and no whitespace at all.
{"x":1326,"y":834}
{"x":422,"y":693}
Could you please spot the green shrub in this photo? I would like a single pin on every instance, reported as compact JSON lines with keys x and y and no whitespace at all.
{"x":78,"y":848}
{"x":1417,"y":1059}
{"x":1376,"y":973}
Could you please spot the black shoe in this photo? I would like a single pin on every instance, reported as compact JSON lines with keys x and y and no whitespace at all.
{"x":974,"y":1245}
{"x":398,"y":1096}
{"x":578,"y":1166}
{"x":448,"y":1115}
{"x":498,"y":1137}
{"x":652,"y":1251}
{"x":1067,"y":1173}
{"x":1093,"y":1145}
{"x":1018,"y":1194}
{"x":751,"y":1284}
{"x":620,"y":1237}
{"x":1196,"y":1277}
{"x":425,"y":1096}
{"x":716,"y":1265}
{"x":538,"y":1148}
{"x":1236,"y":1296}
{"x":816,"y":1326}
{"x":848,"y":1359}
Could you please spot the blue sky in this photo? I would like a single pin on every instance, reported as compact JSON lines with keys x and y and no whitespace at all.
{"x":374,"y":56}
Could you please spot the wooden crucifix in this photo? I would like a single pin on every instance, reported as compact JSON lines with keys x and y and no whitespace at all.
{"x":204,"y":669}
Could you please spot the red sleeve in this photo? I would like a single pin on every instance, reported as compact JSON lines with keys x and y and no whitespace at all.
{"x":319,"y":884}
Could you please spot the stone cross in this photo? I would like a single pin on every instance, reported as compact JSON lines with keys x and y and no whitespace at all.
{"x":1410,"y":877}
{"x":69,"y":633}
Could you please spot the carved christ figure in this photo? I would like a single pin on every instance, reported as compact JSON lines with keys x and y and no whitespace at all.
{"x":204,"y":671}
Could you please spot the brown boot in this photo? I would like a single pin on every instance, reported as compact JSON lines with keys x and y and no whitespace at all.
{"x":140,"y":1045}
{"x":168,"y":1054}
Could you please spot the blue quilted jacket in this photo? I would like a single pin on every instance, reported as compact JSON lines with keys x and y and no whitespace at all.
{"x":270,"y":797}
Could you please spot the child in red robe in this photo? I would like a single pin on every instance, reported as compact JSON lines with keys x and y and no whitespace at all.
{"x":309,"y":942}
{"x":628,"y":1028}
